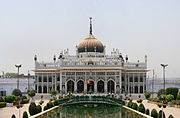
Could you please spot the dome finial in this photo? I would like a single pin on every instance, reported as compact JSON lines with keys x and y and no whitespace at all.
{"x":90,"y":25}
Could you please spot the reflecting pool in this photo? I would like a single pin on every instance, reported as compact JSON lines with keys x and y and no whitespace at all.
{"x":91,"y":112}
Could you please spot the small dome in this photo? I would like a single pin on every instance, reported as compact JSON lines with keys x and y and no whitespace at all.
{"x":90,"y":44}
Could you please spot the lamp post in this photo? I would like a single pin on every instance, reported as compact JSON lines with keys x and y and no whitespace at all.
{"x":18,"y":66}
{"x":164,"y":66}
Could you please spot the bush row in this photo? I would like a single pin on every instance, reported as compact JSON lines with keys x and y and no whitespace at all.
{"x":2,"y":104}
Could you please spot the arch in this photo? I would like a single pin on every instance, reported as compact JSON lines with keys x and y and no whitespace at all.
{"x":39,"y":89}
{"x":136,"y":89}
{"x":80,"y":86}
{"x":100,"y":86}
{"x":141,"y":89}
{"x":44,"y":89}
{"x":111,"y":86}
{"x":70,"y":86}
{"x":90,"y":86}
{"x":58,"y":88}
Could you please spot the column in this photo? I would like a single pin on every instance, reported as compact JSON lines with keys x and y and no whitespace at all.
{"x":60,"y":76}
{"x":47,"y":83}
{"x":75,"y":83}
{"x":55,"y":80}
{"x":85,"y":83}
{"x":95,"y":86}
{"x":37,"y":82}
{"x":105,"y":84}
{"x":120,"y":81}
{"x":42,"y":84}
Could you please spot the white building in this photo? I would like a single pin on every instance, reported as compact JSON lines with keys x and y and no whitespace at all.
{"x":8,"y":84}
{"x":91,"y":70}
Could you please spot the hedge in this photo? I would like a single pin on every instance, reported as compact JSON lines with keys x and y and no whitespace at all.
{"x":1,"y":99}
{"x":2,"y":104}
{"x":13,"y":116}
{"x":147,"y":112}
{"x":25,"y":101}
{"x":173,"y":91}
{"x":160,"y":114}
{"x":32,"y":109}
{"x":141,"y":108}
{"x":39,"y":109}
{"x":154,"y":113}
{"x":25,"y":115}
{"x":135,"y":106}
{"x":10,"y":98}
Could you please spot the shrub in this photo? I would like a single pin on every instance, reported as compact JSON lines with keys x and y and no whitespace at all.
{"x":147,"y":111}
{"x":25,"y":115}
{"x":139,"y":101}
{"x":173,"y":91}
{"x":10,"y":98}
{"x":178,"y":102}
{"x":45,"y":108}
{"x":161,"y":92}
{"x":25,"y":101}
{"x":2,"y":104}
{"x":162,"y":97}
{"x":147,"y":94}
{"x":56,"y":102}
{"x":134,"y":106}
{"x":13,"y":116}
{"x":130,"y":104}
{"x":39,"y":109}
{"x":1,"y":99}
{"x":141,"y":108}
{"x":49,"y":105}
{"x":178,"y":97}
{"x":24,"y":97}
{"x":31,"y":93}
{"x":32,"y":109}
{"x":17,"y":92}
{"x":156,"y":99}
{"x":160,"y":114}
{"x":169,"y":98}
{"x":170,"y":116}
{"x":154,"y":113}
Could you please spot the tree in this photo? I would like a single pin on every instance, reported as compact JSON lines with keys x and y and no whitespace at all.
{"x":161,"y":92}
{"x":9,"y":74}
{"x":141,"y":108}
{"x":39,"y":109}
{"x":25,"y":115}
{"x":160,"y":114}
{"x":154,"y":113}
{"x":169,"y":98}
{"x":54,"y":92}
{"x":31,"y":93}
{"x":32,"y":109}
{"x":147,"y":112}
{"x":173,"y":91}
{"x":147,"y":94}
{"x":13,"y":116}
{"x":17,"y":92}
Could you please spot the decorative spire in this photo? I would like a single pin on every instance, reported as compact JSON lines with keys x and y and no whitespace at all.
{"x":90,"y":25}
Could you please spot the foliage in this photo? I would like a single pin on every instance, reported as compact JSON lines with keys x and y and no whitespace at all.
{"x":162,"y":97}
{"x":54,"y":92}
{"x":178,"y":102}
{"x":39,"y":109}
{"x":31,"y":93}
{"x":32,"y":109}
{"x":154,"y":113}
{"x":17,"y":92}
{"x":24,"y":101}
{"x":56,"y":102}
{"x":2,"y":104}
{"x":10,"y":98}
{"x":130,"y":104}
{"x":147,"y":94}
{"x":139,"y":101}
{"x":45,"y":108}
{"x":25,"y":115}
{"x":1,"y":99}
{"x":147,"y":111}
{"x":169,"y":98}
{"x":134,"y":106}
{"x":49,"y":105}
{"x":178,"y":97}
{"x":24,"y":97}
{"x":159,"y":105}
{"x":11,"y":74}
{"x":160,"y":114}
{"x":141,"y":108}
{"x":161,"y":92}
{"x":13,"y":116}
{"x":170,"y":116}
{"x":173,"y":91}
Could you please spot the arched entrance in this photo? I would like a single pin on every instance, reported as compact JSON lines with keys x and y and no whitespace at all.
{"x":136,"y":89}
{"x":111,"y":86}
{"x":80,"y":86}
{"x":44,"y":89}
{"x":90,"y":86}
{"x":141,"y":89}
{"x":39,"y":89}
{"x":100,"y":86}
{"x":70,"y":86}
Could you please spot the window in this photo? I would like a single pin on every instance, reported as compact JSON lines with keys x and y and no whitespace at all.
{"x":131,"y":79}
{"x":136,"y":79}
{"x":40,"y":79}
{"x":50,"y":79}
{"x":45,"y":79}
{"x":141,"y":79}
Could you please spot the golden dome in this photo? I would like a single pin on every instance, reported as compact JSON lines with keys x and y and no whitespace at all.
{"x":90,"y":44}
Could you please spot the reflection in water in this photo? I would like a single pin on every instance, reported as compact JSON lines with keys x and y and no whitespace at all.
{"x":98,"y":112}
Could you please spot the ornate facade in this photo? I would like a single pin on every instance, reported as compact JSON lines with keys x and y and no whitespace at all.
{"x":91,"y":70}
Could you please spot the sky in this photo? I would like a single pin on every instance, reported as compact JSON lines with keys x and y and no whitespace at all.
{"x":46,"y":27}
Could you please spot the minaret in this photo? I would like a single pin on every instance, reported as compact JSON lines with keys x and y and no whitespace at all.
{"x":90,"y":32}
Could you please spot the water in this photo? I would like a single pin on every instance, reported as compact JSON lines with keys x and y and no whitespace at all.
{"x":86,"y":112}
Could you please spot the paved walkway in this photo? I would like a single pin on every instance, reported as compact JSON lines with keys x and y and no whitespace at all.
{"x":168,"y":110}
{"x":7,"y":112}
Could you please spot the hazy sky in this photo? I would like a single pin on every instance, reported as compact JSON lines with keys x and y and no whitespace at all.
{"x":45,"y":27}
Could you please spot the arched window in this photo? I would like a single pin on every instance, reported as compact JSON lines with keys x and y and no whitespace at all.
{"x":141,"y":89}
{"x":100,"y":86}
{"x":136,"y":89}
{"x":70,"y":86}
{"x":80,"y":86}
{"x":111,"y":86}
